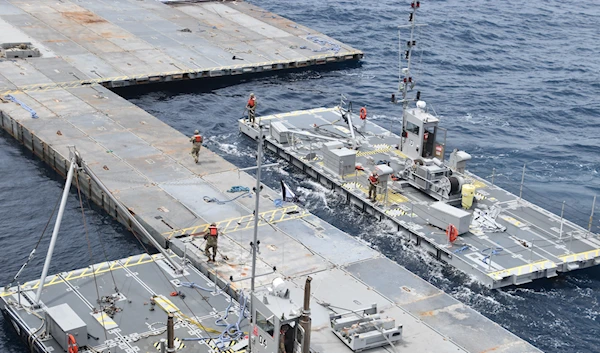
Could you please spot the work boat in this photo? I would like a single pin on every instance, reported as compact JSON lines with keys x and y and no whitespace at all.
{"x":469,"y":222}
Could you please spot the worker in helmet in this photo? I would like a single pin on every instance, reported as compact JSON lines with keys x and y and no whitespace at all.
{"x":211,"y":235}
{"x":373,"y":182}
{"x":196,"y":141}
{"x":251,"y":107}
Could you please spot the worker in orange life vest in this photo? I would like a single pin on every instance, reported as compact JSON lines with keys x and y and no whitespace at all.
{"x":373,"y":182}
{"x":251,"y":106}
{"x":196,"y":141}
{"x":211,"y":235}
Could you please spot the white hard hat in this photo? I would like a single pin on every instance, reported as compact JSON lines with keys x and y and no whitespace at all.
{"x":196,"y":132}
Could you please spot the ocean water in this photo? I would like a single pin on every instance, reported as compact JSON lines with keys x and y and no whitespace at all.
{"x":514,"y":83}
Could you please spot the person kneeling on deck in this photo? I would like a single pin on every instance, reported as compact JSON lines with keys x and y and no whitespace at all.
{"x":211,"y":236}
{"x":373,"y":181}
{"x":196,"y":141}
{"x":251,"y":106}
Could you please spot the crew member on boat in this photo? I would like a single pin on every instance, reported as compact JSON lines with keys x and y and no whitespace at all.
{"x":251,"y":107}
{"x":196,"y":141}
{"x":373,"y":182}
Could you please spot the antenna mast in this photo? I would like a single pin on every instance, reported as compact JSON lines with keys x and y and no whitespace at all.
{"x":407,"y":83}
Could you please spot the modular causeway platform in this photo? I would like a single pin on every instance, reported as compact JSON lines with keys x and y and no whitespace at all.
{"x":129,"y":42}
{"x":146,"y":166}
{"x":506,"y":241}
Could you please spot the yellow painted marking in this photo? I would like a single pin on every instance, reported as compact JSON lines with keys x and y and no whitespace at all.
{"x":372,"y":152}
{"x":343,"y":129}
{"x":166,"y":304}
{"x":511,"y":220}
{"x":352,"y":186}
{"x":105,"y":320}
{"x":479,"y":184}
{"x":529,"y":268}
{"x":77,"y":274}
{"x":213,"y":346}
{"x":398,"y":212}
{"x":400,"y":153}
{"x":99,"y":269}
{"x":233,"y":224}
{"x":586,"y":255}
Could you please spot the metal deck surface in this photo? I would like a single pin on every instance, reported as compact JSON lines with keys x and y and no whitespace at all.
{"x":533,"y":245}
{"x":139,"y":325}
{"x":146,"y":165}
{"x":128,"y":42}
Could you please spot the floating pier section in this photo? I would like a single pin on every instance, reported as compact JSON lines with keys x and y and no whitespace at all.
{"x":517,"y":243}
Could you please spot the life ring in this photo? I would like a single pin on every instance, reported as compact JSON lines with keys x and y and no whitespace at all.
{"x":452,"y":233}
{"x":73,"y":347}
{"x":363,"y":113}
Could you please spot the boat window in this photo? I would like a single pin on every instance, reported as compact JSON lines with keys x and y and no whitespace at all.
{"x":264,"y":323}
{"x":412,"y":128}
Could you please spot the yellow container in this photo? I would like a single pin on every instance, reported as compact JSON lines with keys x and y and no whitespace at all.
{"x":468,"y":193}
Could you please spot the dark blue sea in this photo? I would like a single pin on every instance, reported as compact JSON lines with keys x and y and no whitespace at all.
{"x":514,"y":82}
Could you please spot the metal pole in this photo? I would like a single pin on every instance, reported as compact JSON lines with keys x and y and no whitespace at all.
{"x":592,"y":215}
{"x":493,"y":174}
{"x":256,"y":217}
{"x":562,"y":212}
{"x":170,"y":334}
{"x":490,"y":260}
{"x":163,"y":345}
{"x":522,"y":180}
{"x":305,"y":319}
{"x":61,"y":210}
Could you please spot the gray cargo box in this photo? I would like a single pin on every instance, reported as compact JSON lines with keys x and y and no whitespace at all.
{"x":440,"y":214}
{"x":61,"y":321}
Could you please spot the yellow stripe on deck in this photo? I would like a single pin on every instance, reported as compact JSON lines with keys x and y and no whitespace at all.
{"x":586,"y":255}
{"x":524,"y":269}
{"x":105,"y":320}
{"x":83,"y":273}
{"x":166,"y":304}
{"x":245,"y":222}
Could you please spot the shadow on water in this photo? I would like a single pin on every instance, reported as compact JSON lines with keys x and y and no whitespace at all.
{"x":206,"y":85}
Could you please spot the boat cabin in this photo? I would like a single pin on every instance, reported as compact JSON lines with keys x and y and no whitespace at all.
{"x":421,"y":135}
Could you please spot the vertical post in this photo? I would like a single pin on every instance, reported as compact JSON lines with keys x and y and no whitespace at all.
{"x":170,"y":334}
{"x":163,"y":345}
{"x":562,"y":212}
{"x":385,"y":200}
{"x":493,"y":174}
{"x":61,"y":210}
{"x":184,"y":255}
{"x":592,"y":216}
{"x":490,"y":260}
{"x":305,"y":320}
{"x":256,"y":217}
{"x":522,"y":181}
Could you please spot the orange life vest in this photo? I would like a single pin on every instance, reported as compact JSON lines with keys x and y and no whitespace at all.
{"x":198,"y":138}
{"x":373,"y":179}
{"x":212,"y":231}
{"x":251,"y":102}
